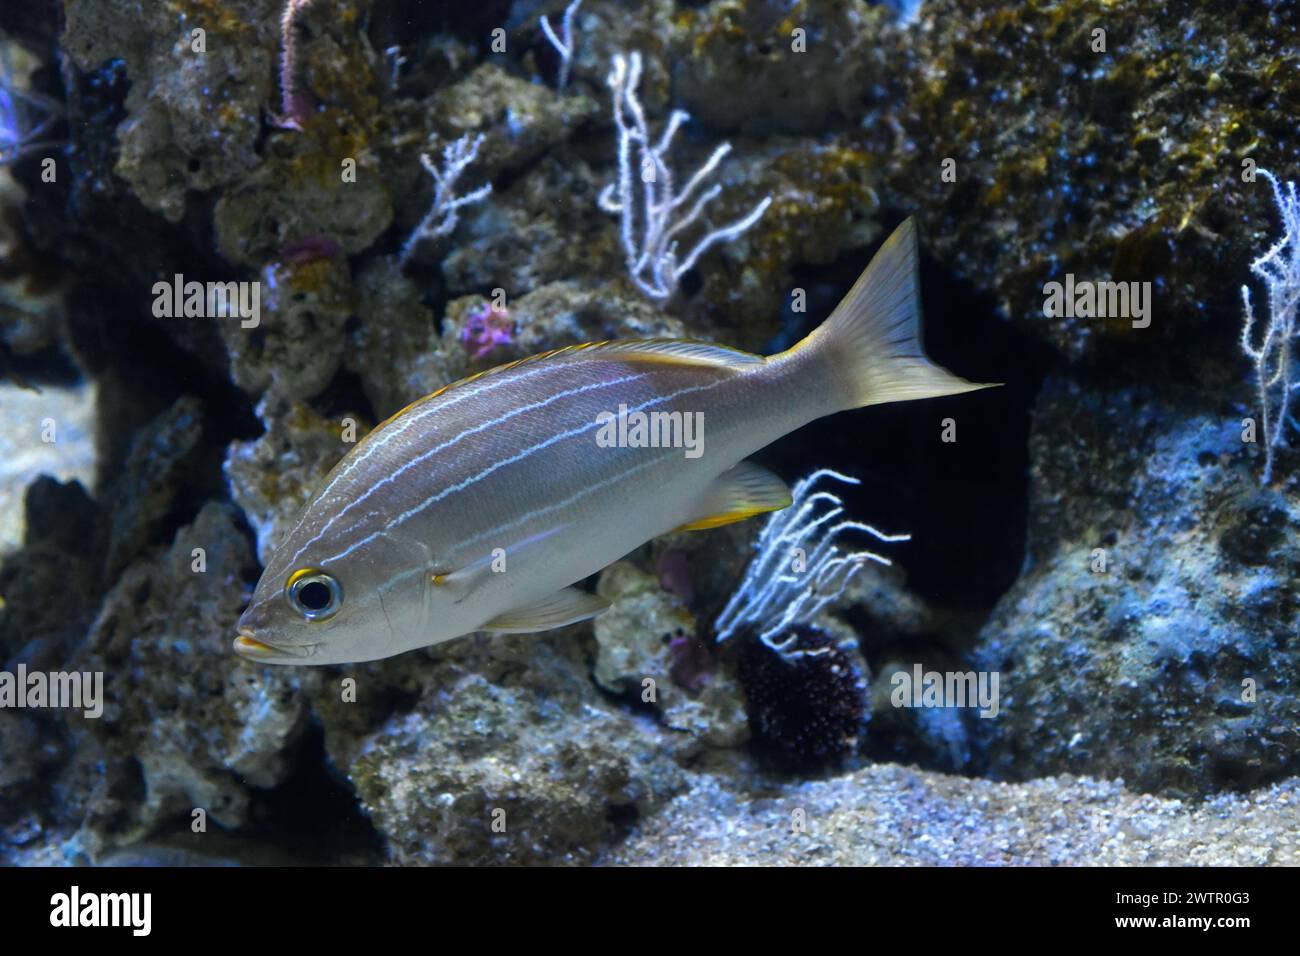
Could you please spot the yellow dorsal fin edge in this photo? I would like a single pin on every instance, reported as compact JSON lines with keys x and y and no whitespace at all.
{"x":667,"y":351}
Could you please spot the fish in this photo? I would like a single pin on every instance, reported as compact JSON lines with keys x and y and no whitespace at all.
{"x":478,"y":508}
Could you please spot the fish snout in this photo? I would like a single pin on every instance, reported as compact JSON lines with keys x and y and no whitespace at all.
{"x":249,"y":646}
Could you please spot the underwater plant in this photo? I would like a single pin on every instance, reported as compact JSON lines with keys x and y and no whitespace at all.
{"x":293,"y":108}
{"x":650,"y":240}
{"x":442,"y":216}
{"x":1279,"y":270}
{"x":797,"y":570}
{"x":564,"y":47}
{"x":805,"y":689}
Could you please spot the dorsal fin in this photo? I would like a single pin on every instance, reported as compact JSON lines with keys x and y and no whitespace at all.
{"x":669,"y":351}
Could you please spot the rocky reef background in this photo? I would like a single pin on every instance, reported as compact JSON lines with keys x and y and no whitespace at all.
{"x":1122,"y":735}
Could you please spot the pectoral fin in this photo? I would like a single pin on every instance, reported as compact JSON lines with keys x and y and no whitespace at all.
{"x":564,"y":607}
{"x":739,"y":493}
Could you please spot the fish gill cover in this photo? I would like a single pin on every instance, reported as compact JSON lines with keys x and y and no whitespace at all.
{"x":238,"y":237}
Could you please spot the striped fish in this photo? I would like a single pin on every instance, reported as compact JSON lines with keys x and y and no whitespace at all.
{"x":478,"y":507}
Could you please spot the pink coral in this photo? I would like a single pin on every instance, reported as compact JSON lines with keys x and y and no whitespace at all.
{"x":486,"y":327}
{"x":294,"y":105}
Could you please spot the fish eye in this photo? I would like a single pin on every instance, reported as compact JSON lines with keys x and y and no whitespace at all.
{"x":314,"y":594}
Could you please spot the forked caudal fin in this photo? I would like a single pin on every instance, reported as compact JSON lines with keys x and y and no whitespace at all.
{"x":872,"y":341}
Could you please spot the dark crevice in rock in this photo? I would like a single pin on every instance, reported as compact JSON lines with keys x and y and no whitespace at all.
{"x":314,"y":812}
{"x":964,"y":503}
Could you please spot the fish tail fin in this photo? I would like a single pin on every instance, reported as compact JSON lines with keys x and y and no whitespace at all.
{"x":872,"y":341}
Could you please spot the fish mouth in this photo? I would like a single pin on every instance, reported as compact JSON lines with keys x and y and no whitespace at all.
{"x":246,"y":645}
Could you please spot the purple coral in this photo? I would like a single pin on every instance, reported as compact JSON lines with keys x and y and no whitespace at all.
{"x":675,"y":575}
{"x":485,"y":328}
{"x":690,"y":661}
{"x":310,"y":249}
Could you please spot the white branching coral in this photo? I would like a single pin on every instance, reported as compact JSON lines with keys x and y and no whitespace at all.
{"x":563,"y":44}
{"x":1274,"y":357}
{"x":443,"y":213}
{"x":650,"y":227}
{"x":797,"y":569}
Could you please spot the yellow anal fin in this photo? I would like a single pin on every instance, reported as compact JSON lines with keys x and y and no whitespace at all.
{"x":739,"y":493}
{"x":567,"y":606}
{"x":717,"y":521}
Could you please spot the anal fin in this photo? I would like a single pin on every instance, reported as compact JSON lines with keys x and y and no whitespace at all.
{"x":739,"y":493}
{"x":567,"y":606}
